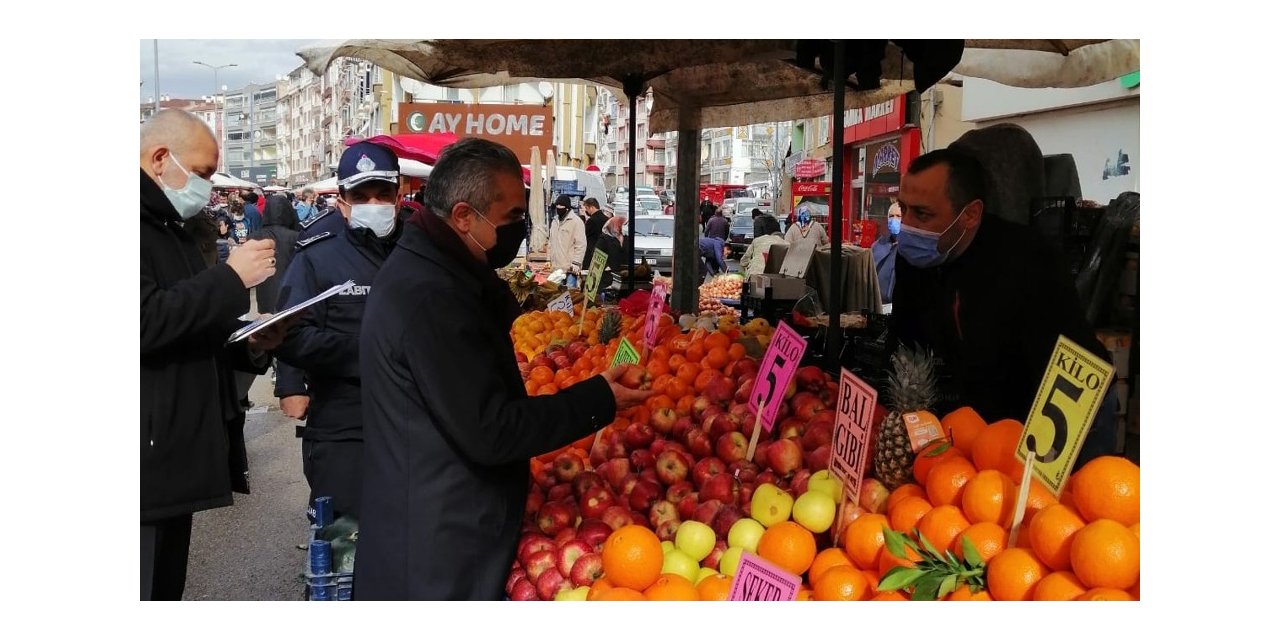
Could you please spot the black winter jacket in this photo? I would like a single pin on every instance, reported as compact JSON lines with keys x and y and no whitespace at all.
{"x":192,"y":443}
{"x":448,"y":427}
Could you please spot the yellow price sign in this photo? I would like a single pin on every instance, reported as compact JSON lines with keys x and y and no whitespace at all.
{"x":1073,"y":387}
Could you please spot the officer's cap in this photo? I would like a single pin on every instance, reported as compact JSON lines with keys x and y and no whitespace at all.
{"x":366,"y":161}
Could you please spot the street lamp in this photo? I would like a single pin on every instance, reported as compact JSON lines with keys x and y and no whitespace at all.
{"x":221,"y":129}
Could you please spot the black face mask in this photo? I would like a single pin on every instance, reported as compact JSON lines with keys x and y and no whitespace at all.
{"x":561,"y":213}
{"x":509,"y":238}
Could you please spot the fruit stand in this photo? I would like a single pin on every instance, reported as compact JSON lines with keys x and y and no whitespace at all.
{"x":669,"y":500}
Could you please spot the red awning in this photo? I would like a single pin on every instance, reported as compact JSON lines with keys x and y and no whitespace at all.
{"x":423,"y":147}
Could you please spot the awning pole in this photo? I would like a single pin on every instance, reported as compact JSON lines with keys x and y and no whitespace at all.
{"x":836,"y":308}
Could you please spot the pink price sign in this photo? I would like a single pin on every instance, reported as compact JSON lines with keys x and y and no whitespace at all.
{"x":851,"y":441}
{"x":657,"y":297}
{"x":760,"y":580}
{"x":779,"y":364}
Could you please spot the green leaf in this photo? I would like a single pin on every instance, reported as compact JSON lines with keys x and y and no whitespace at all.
{"x":953,"y":561}
{"x":970,"y":552}
{"x":927,"y":587}
{"x":895,"y":542}
{"x":943,"y":445}
{"x":929,"y":547}
{"x":948,"y":585}
{"x":899,"y":578}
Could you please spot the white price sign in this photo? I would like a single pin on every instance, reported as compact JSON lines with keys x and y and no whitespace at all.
{"x":563,"y":304}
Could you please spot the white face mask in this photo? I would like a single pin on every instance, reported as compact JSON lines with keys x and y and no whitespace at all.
{"x":189,"y":200}
{"x":379,"y":218}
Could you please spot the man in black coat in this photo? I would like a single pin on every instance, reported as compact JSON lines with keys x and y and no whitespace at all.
{"x":448,"y":427}
{"x":595,"y":225}
{"x":988,"y":296}
{"x":192,"y":454}
{"x":325,"y":343}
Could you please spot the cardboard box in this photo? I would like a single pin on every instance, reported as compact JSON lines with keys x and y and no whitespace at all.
{"x":784,"y":288}
{"x":1117,"y":342}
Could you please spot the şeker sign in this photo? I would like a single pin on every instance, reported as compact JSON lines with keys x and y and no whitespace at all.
{"x":519,"y":127}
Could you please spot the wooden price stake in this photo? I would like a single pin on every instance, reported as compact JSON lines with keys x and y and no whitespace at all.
{"x":1074,"y":384}
{"x":760,"y":580}
{"x":592,"y":284}
{"x":851,"y":440}
{"x":776,"y":369}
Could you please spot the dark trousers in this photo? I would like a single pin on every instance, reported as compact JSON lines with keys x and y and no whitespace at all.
{"x":335,"y":469}
{"x":165,"y":544}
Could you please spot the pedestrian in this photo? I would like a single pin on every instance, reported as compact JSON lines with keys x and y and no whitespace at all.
{"x":611,"y":241}
{"x":192,"y":434}
{"x":239,"y":232}
{"x":718,"y":226}
{"x":807,"y":230}
{"x":449,"y":428}
{"x":705,"y":211}
{"x":567,"y":245}
{"x":325,"y":342}
{"x":753,"y":260}
{"x":305,"y":206}
{"x":280,"y":224}
{"x":759,"y":223}
{"x":711,"y":249}
{"x":252,"y":214}
{"x":989,"y":297}
{"x":885,"y":253}
{"x":594,"y":227}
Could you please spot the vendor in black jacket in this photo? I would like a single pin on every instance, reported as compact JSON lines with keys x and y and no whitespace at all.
{"x":448,"y":427}
{"x":193,"y":453}
{"x":325,"y":342}
{"x":988,"y":296}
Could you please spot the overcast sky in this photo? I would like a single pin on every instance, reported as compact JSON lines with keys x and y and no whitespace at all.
{"x":256,"y":61}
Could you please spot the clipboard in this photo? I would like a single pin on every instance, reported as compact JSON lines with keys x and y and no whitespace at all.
{"x":264,"y":322}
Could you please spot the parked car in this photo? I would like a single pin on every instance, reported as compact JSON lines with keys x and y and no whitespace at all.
{"x":646,"y":200}
{"x":655,"y":238}
{"x":742,"y":232}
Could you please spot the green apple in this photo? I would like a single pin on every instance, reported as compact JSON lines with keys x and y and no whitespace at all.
{"x":580,"y":593}
{"x":815,"y":511}
{"x":668,"y":545}
{"x":770,"y":505}
{"x":679,"y":563}
{"x":705,"y":572}
{"x":695,"y":539}
{"x":746,"y":533}
{"x":823,"y":481}
{"x":729,"y":561}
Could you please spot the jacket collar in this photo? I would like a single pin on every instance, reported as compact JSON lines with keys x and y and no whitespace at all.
{"x":426,"y":235}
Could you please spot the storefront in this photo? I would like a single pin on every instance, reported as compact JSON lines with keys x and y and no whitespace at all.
{"x":880,"y":142}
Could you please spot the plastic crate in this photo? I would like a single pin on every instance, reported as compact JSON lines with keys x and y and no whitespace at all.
{"x":332,"y":585}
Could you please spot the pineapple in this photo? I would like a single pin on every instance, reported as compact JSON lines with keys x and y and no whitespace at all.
{"x":610,"y":325}
{"x":912,"y":387}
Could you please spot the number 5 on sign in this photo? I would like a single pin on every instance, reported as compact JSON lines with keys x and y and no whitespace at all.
{"x":1070,"y":393}
{"x":777,"y":367}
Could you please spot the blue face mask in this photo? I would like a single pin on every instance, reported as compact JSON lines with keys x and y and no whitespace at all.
{"x":920,"y":248}
{"x":895,"y":226}
{"x":803,"y":218}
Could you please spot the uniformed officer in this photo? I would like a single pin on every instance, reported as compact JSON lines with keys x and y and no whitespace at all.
{"x":291,"y":387}
{"x":324,"y":343}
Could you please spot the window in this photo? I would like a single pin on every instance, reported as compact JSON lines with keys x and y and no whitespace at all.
{"x":451,"y":94}
{"x":264,"y":96}
{"x":510,"y":93}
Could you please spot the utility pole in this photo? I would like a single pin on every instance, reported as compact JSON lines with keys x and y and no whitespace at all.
{"x":155,"y":60}
{"x":218,"y":108}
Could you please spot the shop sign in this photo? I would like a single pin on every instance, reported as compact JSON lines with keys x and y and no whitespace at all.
{"x":811,"y":188}
{"x":519,"y":127}
{"x":811,"y":168}
{"x":876,"y":120}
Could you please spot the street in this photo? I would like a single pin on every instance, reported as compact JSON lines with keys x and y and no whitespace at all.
{"x":249,"y":551}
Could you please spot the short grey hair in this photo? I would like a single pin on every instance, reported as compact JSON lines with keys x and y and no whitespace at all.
{"x":173,"y":128}
{"x":308,"y":192}
{"x":465,"y":171}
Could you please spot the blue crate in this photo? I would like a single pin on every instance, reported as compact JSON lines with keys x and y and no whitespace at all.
{"x":331,"y":585}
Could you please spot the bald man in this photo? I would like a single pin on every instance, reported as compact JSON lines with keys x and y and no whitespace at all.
{"x":193,"y":453}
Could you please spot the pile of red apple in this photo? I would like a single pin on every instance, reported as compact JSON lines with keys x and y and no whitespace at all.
{"x":666,"y":470}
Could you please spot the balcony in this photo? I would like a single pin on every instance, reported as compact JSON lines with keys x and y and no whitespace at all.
{"x":656,"y":143}
{"x":655,"y":168}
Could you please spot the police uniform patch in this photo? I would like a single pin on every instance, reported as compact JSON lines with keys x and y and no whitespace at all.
{"x":315,"y":219}
{"x":302,"y":244}
{"x":365,"y":164}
